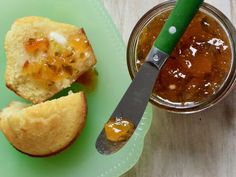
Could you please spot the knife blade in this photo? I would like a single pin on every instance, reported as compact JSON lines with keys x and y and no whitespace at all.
{"x":135,"y":99}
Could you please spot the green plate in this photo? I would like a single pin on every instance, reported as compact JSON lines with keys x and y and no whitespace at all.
{"x":81,"y":159}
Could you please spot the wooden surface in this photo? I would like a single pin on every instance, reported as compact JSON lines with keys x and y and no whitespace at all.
{"x":199,"y":145}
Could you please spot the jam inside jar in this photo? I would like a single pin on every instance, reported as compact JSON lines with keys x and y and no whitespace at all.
{"x":198,"y":65}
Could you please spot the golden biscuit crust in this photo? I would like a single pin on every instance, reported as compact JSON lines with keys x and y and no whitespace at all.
{"x":47,"y":128}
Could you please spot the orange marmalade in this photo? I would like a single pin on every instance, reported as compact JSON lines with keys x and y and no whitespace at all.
{"x":119,"y":129}
{"x":55,"y":58}
{"x":89,"y":79}
{"x":198,"y":65}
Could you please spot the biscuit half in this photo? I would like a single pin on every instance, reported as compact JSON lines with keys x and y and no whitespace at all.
{"x":47,"y":128}
{"x":44,"y":57}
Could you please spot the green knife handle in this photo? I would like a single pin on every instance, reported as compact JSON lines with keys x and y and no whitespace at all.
{"x":178,"y":21}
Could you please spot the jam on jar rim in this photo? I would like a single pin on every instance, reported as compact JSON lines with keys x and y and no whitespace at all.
{"x":189,"y":107}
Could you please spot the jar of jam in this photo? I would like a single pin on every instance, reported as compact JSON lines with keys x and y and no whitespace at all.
{"x":201,"y":70}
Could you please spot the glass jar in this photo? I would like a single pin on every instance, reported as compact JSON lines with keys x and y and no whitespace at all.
{"x":229,"y":81}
